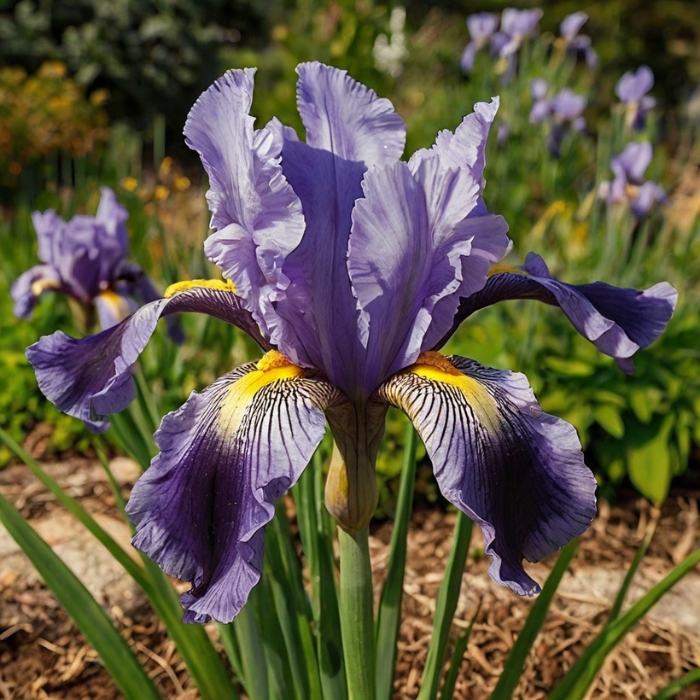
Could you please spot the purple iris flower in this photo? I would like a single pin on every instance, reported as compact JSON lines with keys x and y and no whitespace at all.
{"x":85,"y":258}
{"x":350,"y":268}
{"x":482,"y":27}
{"x":516,"y":26}
{"x":563,"y":112}
{"x":632,"y":90}
{"x":575,"y":42}
{"x":629,"y":185}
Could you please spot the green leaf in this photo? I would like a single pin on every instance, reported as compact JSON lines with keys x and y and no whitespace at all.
{"x":579,"y":679}
{"x":569,"y":368}
{"x":253,"y":660}
{"x":639,"y":555}
{"x":293,"y":612}
{"x":445,"y":608}
{"x":389,"y":614}
{"x":673,"y":688}
{"x":448,"y":687}
{"x":523,"y":646}
{"x":608,"y":417}
{"x":317,"y":544}
{"x":90,"y":618}
{"x":649,"y":459}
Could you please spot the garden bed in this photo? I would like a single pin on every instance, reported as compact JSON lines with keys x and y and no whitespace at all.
{"x":42,"y":655}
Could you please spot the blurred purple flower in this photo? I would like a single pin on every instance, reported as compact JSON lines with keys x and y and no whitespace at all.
{"x":350,"y":267}
{"x":562,"y":112}
{"x":85,"y":258}
{"x":579,"y":43}
{"x":481,"y":28}
{"x":629,"y":185}
{"x":632,"y":90}
{"x":516,"y":26}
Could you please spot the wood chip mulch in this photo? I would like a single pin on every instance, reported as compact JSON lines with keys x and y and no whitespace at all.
{"x":44,"y":657}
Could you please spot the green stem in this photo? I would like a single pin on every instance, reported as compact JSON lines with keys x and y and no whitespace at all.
{"x":356,"y":613}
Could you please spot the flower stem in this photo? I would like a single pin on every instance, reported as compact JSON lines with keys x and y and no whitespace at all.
{"x":356,"y":613}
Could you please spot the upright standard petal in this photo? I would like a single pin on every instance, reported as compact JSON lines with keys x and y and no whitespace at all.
{"x":257,"y":215}
{"x":618,"y":321}
{"x":344,"y":117}
{"x":516,"y":471}
{"x":91,"y":377}
{"x":466,"y":147}
{"x":418,"y":243}
{"x":225,"y":457}
{"x":113,"y":217}
{"x":631,"y":87}
{"x":348,"y":128}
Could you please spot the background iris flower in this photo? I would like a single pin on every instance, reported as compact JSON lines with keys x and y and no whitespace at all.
{"x":85,"y":258}
{"x":632,"y":90}
{"x":482,"y":26}
{"x":351,"y":269}
{"x":563,"y":112}
{"x":629,"y":185}
{"x":575,"y":42}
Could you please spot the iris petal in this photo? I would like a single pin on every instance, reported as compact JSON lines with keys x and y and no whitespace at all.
{"x":226,"y":455}
{"x":348,"y":128}
{"x":618,"y":321}
{"x":518,"y":472}
{"x":91,"y":377}
{"x":412,"y":235}
{"x":30,"y":285}
{"x":346,"y":118}
{"x":256,"y":212}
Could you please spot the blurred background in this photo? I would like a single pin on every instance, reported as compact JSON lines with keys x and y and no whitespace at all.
{"x":96,"y":92}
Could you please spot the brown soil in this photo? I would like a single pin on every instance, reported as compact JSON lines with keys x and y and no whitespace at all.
{"x":43,"y":656}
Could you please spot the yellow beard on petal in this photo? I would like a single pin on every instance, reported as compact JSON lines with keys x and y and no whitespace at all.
{"x":221,"y":285}
{"x":437,"y":368}
{"x":120,"y":306}
{"x":272,"y":367}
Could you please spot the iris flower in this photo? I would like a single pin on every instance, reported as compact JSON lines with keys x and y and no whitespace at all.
{"x":562,"y":112}
{"x":629,"y":185}
{"x":632,"y":89}
{"x":350,"y":268}
{"x":575,"y":42}
{"x":85,"y":258}
{"x":482,"y":26}
{"x":516,"y":27}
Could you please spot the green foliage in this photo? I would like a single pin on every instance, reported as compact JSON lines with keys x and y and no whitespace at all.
{"x":154,"y":56}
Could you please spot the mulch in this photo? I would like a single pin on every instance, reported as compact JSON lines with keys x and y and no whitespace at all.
{"x":43,"y":656}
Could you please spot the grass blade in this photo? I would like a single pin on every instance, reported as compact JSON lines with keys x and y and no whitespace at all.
{"x":247,"y":629}
{"x":445,"y":608}
{"x":629,"y":576}
{"x":318,"y":551}
{"x":293,"y":612}
{"x":90,"y":618}
{"x":579,"y":678}
{"x":674,"y":688}
{"x":522,"y":647}
{"x":389,"y":614}
{"x":448,"y":687}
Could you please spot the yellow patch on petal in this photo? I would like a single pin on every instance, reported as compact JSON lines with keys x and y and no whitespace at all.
{"x":221,"y":285}
{"x":499,"y":268}
{"x":437,"y":368}
{"x":273,"y":367}
{"x":120,"y":306}
{"x":41,"y":286}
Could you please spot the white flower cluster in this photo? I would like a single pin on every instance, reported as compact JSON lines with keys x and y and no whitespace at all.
{"x":389,"y":53}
